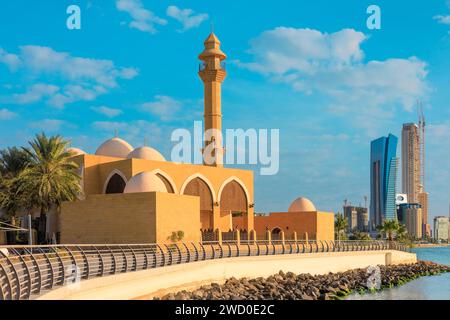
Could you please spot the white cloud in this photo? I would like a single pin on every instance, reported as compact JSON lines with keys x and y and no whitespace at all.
{"x":84,"y":78}
{"x":333,"y":66}
{"x":44,"y":60}
{"x":187,"y":17}
{"x":47,"y":125}
{"x":163,"y":106}
{"x":11,"y":60}
{"x":107,"y":111}
{"x":34,"y":93}
{"x":442,"y":19}
{"x":143,"y":19}
{"x":5,"y":114}
{"x":283,"y":50}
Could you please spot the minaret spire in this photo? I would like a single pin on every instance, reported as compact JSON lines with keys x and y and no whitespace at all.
{"x":212,"y":72}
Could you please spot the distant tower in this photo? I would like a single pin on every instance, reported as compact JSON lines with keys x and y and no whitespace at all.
{"x":383,"y":179}
{"x":411,"y":161}
{"x":212,"y":73}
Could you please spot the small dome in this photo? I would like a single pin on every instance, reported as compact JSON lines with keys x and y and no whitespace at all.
{"x":75,"y":151}
{"x":145,"y":182}
{"x":146,"y":153}
{"x":302,"y":205}
{"x":114,"y":147}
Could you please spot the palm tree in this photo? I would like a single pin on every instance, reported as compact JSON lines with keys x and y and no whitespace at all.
{"x":401,"y":233}
{"x":50,"y":178}
{"x":358,"y":235}
{"x":9,"y":202}
{"x":12,"y":162}
{"x":389,"y":227}
{"x":340,"y":225}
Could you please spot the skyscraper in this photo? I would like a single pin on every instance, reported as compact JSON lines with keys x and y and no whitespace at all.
{"x":413,"y":157}
{"x":411,"y":163}
{"x":441,"y":226}
{"x":411,"y":216}
{"x":423,"y":200}
{"x":383,"y":179}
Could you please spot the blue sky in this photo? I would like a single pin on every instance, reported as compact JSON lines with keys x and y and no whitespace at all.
{"x":309,"y":68}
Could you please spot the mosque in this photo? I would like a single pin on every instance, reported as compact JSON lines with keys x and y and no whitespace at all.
{"x":134,"y":195}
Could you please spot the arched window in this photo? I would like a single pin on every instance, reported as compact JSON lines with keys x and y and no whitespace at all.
{"x":116,"y":184}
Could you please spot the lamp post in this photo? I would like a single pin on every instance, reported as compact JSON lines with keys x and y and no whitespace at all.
{"x":30,"y":231}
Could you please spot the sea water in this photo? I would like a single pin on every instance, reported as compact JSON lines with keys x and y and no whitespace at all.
{"x":425,"y":288}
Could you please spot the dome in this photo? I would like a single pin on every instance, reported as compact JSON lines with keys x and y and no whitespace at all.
{"x":75,"y":151}
{"x":146,"y":153}
{"x":302,"y":205}
{"x":114,"y":147}
{"x":145,"y":182}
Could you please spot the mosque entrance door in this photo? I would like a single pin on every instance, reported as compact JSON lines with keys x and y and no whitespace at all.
{"x":276,"y":234}
{"x":233,"y":207}
{"x":198,"y":187}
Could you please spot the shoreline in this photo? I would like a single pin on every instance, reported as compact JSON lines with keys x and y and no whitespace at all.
{"x":431,"y":245}
{"x":332,"y":286}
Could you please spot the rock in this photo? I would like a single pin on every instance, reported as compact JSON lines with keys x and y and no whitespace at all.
{"x":305,"y":286}
{"x":183,"y":295}
{"x":170,"y":296}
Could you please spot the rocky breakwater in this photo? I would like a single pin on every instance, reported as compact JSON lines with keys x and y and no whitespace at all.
{"x":289,"y":286}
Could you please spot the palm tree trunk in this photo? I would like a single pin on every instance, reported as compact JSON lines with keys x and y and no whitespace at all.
{"x":42,"y":234}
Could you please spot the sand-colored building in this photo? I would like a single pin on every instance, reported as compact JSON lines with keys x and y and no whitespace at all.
{"x":133,"y":195}
{"x":302,"y":219}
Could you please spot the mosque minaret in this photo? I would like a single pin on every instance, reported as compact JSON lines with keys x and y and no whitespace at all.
{"x":212,"y":74}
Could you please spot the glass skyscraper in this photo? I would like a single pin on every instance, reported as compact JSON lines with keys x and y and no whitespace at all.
{"x":383,"y":179}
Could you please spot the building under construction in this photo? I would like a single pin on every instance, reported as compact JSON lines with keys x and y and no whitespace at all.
{"x":413,"y":166}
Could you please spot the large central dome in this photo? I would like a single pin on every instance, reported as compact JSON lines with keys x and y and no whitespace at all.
{"x":114,"y":147}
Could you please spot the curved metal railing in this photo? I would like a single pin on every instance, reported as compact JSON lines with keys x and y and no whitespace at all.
{"x":29,"y":271}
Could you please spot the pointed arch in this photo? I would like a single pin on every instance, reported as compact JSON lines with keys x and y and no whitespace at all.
{"x":276,"y":230}
{"x":238,"y":181}
{"x":168,"y":178}
{"x":198,"y":185}
{"x":205,"y":180}
{"x":110,"y":176}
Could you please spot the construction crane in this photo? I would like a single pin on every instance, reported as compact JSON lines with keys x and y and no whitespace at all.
{"x":422,"y":124}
